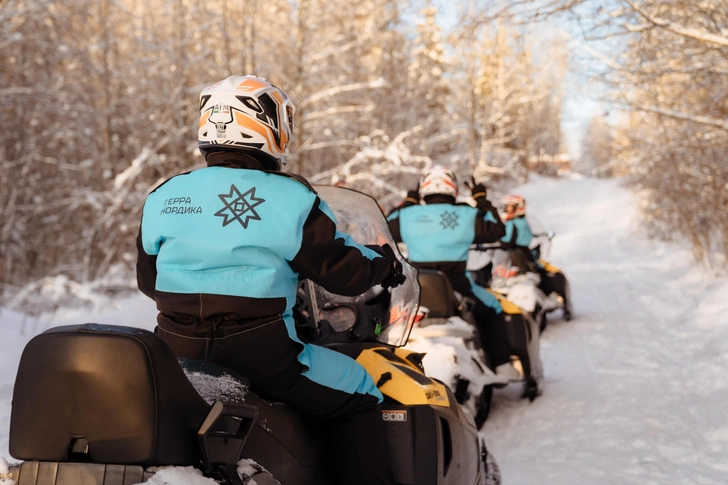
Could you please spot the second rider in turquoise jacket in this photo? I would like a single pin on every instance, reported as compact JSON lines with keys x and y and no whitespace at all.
{"x":438,"y":236}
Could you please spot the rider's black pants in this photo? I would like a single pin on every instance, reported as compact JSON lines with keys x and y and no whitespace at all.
{"x":493,"y":333}
{"x":269,"y":359}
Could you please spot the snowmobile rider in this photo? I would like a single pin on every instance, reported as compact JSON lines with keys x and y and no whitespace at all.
{"x":438,"y":236}
{"x":221,"y":250}
{"x":518,"y":239}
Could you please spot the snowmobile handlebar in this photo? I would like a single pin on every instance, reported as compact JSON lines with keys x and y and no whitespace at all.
{"x":550,"y":235}
{"x":488,"y":246}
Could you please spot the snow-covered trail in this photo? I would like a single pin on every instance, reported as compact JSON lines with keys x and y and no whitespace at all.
{"x":636,"y":386}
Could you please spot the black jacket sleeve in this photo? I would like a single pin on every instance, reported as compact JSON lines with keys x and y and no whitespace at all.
{"x":146,"y":269}
{"x":326,"y":260}
{"x":487,"y":231}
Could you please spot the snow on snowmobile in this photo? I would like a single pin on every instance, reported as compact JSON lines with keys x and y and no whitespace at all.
{"x":447,"y":333}
{"x":104,"y":405}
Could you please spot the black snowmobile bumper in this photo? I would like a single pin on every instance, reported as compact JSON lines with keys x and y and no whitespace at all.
{"x":432,"y":445}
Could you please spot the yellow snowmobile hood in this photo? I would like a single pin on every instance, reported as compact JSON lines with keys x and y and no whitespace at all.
{"x":400,"y":378}
{"x":508,"y":306}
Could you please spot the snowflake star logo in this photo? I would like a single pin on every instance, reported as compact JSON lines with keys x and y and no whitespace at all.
{"x":449,"y":220}
{"x":239,"y":207}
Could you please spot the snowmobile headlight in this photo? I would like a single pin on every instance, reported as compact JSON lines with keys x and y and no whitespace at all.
{"x":340,"y":318}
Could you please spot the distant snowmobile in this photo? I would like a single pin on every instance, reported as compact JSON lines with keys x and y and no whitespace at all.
{"x":99,"y":404}
{"x":508,"y":274}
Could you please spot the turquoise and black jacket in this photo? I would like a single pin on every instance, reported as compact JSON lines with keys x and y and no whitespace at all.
{"x":221,"y":250}
{"x":438,"y":236}
{"x":518,"y":233}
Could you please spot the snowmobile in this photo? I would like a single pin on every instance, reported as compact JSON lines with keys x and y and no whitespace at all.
{"x":104,"y":405}
{"x":447,"y":332}
{"x":507,"y":273}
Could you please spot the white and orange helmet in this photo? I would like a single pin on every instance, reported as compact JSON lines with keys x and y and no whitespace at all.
{"x":513,"y":206}
{"x":439,"y":180}
{"x":248,"y":114}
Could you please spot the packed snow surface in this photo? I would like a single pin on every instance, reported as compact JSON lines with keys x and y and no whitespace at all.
{"x":636,"y":387}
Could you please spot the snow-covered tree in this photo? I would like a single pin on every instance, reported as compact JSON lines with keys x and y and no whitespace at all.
{"x":100,"y":103}
{"x":598,"y":148}
{"x":511,"y":105}
{"x":429,"y":92}
{"x":665,"y":64}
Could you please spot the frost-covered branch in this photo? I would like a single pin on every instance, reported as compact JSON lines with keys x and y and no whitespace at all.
{"x":703,"y":120}
{"x":138,"y":164}
{"x":337,"y":110}
{"x":333,"y":91}
{"x":15,"y":91}
{"x":378,"y":162}
{"x":334,"y":50}
{"x":307,"y":147}
{"x":681,"y":30}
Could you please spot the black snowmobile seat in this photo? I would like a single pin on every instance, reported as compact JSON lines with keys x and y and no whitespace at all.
{"x":437,"y":294}
{"x":105,"y":394}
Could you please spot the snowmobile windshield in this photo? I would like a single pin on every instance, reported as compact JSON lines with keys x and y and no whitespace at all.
{"x":359,"y":216}
{"x":502,"y":268}
{"x":541,"y":237}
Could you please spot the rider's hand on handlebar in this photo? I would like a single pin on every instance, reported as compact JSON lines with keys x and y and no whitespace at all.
{"x":395,"y":276}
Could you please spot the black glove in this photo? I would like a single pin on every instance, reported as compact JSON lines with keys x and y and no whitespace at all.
{"x":478,"y":190}
{"x":395,"y":276}
{"x":480,"y":195}
{"x":413,"y":198}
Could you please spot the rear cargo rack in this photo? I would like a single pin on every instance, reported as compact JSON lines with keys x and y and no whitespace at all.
{"x":54,"y":473}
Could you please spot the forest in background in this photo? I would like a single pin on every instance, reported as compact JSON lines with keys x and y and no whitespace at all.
{"x":100,"y":104}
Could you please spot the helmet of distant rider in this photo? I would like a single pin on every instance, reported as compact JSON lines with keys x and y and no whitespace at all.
{"x":513,"y":206}
{"x":246,"y":114}
{"x":438,"y":180}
